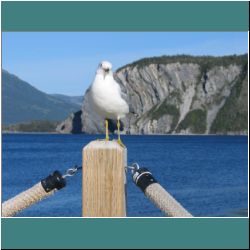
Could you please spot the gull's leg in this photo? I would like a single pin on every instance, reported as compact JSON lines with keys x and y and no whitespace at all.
{"x":107,"y":130}
{"x":118,"y":132}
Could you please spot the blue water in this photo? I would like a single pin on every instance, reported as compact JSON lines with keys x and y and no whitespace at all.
{"x":207,"y":174}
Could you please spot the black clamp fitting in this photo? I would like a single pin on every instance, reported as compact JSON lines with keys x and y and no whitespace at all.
{"x":143,"y":178}
{"x":53,"y":181}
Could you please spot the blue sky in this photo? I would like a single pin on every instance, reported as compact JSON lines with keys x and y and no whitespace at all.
{"x":65,"y":62}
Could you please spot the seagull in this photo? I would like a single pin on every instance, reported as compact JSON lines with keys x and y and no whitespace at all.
{"x":106,"y":99}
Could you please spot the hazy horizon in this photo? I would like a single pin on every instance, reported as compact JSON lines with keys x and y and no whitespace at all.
{"x":65,"y":62}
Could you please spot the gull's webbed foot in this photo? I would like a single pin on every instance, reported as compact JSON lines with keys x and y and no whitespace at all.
{"x":121,"y":143}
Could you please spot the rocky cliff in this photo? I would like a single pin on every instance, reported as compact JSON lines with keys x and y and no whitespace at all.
{"x":177,"y":95}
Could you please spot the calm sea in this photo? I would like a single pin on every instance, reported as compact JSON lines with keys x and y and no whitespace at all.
{"x":207,"y":174}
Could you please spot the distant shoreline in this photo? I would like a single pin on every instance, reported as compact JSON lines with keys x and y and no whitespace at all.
{"x":56,"y":133}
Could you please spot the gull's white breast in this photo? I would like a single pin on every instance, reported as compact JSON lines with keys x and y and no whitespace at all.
{"x":105,"y":98}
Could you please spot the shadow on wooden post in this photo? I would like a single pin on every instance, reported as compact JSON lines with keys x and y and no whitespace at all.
{"x":104,"y":179}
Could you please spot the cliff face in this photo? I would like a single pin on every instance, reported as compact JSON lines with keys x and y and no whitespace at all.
{"x":180,"y":95}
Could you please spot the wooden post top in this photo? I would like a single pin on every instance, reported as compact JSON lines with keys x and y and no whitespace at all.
{"x":103,"y":144}
{"x":104,"y":179}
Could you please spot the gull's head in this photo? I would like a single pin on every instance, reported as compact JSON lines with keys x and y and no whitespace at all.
{"x":104,"y":68}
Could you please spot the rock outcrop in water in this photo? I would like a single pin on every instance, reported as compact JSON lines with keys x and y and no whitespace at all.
{"x":177,"y":95}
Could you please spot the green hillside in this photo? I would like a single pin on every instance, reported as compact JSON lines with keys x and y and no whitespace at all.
{"x":205,"y":62}
{"x":21,"y":102}
{"x":73,"y":99}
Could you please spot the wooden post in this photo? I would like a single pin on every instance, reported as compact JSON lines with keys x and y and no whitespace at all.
{"x":104,"y":179}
